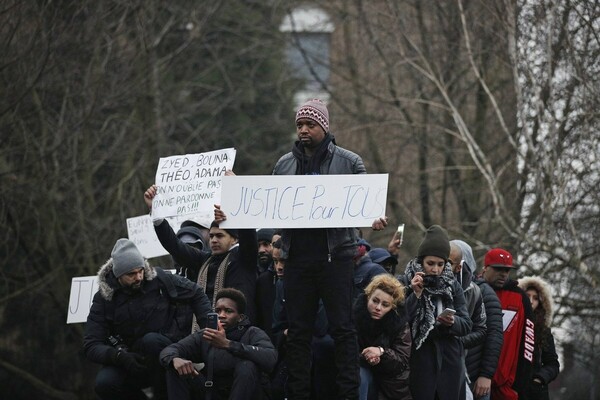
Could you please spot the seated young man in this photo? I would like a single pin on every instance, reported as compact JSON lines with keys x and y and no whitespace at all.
{"x":238,"y":352}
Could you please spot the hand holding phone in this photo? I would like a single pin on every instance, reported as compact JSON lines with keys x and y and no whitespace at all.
{"x":447,"y":312}
{"x":400,"y":234}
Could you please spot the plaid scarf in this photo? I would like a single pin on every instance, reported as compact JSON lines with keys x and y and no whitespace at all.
{"x":424,"y":321}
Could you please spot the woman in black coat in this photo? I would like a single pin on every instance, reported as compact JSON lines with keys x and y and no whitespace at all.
{"x":437,"y":353}
{"x":384,"y":340}
{"x":545,"y":359}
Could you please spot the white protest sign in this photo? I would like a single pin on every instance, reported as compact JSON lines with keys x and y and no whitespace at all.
{"x":303,"y":201}
{"x":140,"y":230}
{"x":83,"y":290}
{"x":190,"y":183}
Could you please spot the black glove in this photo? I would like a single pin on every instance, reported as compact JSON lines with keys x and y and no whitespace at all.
{"x":132,"y":362}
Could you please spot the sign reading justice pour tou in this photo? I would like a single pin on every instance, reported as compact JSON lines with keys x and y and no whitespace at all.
{"x":303,"y":201}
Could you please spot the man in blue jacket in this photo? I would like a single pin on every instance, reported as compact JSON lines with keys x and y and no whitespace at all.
{"x":319,"y":261}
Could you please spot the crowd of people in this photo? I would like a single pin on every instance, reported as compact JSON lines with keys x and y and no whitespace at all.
{"x":316,"y":313}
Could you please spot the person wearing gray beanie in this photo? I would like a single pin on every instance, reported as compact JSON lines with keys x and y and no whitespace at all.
{"x":137,"y":311}
{"x":126,"y":257}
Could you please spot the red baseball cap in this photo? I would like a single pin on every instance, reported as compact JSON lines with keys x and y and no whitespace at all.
{"x":498,"y":258}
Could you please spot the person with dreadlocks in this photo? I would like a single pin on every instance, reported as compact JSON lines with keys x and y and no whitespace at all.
{"x":437,"y":353}
{"x":545,"y":359}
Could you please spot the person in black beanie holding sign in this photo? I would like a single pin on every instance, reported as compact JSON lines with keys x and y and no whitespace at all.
{"x":438,"y":316}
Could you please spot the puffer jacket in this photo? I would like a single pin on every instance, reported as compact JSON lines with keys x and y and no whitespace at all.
{"x":341,"y":242}
{"x":545,"y":359}
{"x":164,"y":304}
{"x":482,"y":356}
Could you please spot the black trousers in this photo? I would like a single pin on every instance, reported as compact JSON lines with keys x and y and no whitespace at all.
{"x":304,"y":285}
{"x":115,"y":383}
{"x":243,"y":383}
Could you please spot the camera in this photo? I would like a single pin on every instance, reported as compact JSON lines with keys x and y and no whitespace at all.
{"x":117,"y":342}
{"x":431,"y":281}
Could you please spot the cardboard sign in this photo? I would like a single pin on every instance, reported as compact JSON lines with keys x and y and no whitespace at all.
{"x":191,"y":183}
{"x":303,"y":201}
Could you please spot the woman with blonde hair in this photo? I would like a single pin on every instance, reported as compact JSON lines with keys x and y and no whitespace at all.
{"x":384,"y":340}
{"x":545,"y":359}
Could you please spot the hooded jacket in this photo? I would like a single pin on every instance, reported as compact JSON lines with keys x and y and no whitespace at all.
{"x":475,"y":307}
{"x":164,"y":304}
{"x":545,"y":360}
{"x":341,"y":242}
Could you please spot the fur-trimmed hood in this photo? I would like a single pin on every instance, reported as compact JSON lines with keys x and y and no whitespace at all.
{"x":544,"y":293}
{"x":108,"y":282}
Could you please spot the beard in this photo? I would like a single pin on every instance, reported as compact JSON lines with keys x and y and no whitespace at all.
{"x":264,"y":259}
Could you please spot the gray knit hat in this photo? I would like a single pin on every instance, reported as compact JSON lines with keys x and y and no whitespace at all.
{"x":435,"y":243}
{"x":126,"y":257}
{"x":316,"y":110}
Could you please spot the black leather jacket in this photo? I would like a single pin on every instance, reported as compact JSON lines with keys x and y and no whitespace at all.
{"x":341,"y":242}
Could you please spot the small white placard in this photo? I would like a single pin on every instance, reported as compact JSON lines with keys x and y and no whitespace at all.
{"x":83,"y":290}
{"x":191,"y":183}
{"x":303,"y":201}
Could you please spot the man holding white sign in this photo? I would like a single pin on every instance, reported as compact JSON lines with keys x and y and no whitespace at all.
{"x":319,"y":260}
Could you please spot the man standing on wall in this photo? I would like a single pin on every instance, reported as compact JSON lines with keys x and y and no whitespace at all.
{"x":318,"y":260}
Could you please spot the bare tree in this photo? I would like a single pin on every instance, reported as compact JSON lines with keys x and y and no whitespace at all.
{"x":93,"y":93}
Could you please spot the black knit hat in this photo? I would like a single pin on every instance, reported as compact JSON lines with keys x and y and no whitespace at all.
{"x":435,"y":243}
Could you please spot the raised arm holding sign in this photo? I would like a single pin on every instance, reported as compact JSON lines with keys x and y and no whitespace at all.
{"x":191,"y":183}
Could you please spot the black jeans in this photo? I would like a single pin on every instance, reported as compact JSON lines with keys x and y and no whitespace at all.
{"x":243,"y":383}
{"x":304,"y":284}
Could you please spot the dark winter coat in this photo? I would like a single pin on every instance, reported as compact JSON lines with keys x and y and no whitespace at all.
{"x":341,"y":242}
{"x":254,"y":345}
{"x":241,"y":270}
{"x":438,"y":365}
{"x":265,"y":301}
{"x":392,"y":333}
{"x":545,"y":359}
{"x":482,"y":356}
{"x":164,"y":304}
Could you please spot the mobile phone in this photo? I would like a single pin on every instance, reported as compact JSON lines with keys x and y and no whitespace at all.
{"x":401,"y":232}
{"x":212,"y":320}
{"x":447,"y":312}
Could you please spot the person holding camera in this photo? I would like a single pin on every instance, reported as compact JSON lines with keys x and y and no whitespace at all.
{"x":234,"y":353}
{"x":137,"y":311}
{"x":438,"y":317}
